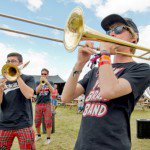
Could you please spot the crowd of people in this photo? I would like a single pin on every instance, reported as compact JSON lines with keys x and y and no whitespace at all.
{"x":110,"y":90}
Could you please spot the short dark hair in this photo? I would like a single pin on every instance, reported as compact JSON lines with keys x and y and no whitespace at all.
{"x":44,"y":69}
{"x":19,"y":56}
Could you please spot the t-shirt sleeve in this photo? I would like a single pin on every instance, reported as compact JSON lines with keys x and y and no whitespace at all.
{"x":37,"y":83}
{"x":31,"y":82}
{"x":85,"y":80}
{"x":139,"y":79}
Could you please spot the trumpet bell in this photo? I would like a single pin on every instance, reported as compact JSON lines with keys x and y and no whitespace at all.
{"x":10,"y":72}
{"x":73,"y":29}
{"x":42,"y":82}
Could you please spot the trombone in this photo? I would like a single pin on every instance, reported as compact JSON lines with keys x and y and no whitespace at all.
{"x":11,"y":71}
{"x":76,"y":31}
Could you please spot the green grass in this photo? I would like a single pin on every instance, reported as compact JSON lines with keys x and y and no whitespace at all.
{"x":67,"y":123}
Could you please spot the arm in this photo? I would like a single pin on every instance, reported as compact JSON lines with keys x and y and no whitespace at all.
{"x":72,"y":89}
{"x":38,"y":88}
{"x":2,"y":85}
{"x":27,"y":91}
{"x":1,"y":95}
{"x":50,"y":87}
{"x":110,"y":86}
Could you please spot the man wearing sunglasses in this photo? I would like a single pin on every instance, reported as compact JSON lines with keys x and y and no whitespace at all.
{"x":43,"y":105}
{"x":111,"y":90}
{"x":16,"y":116}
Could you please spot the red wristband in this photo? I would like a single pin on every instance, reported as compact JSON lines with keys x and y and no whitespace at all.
{"x":103,"y":63}
{"x":104,"y":59}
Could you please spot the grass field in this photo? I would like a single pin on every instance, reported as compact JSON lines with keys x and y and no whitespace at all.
{"x":67,"y":123}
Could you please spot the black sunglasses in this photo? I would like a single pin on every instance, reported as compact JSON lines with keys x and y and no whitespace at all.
{"x":117,"y":30}
{"x":43,"y":74}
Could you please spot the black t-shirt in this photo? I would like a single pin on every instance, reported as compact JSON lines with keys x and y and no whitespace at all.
{"x":105,"y":124}
{"x":16,"y":110}
{"x":44,"y":95}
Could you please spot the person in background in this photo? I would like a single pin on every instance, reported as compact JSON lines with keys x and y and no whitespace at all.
{"x":54,"y":98}
{"x":43,"y":106}
{"x":16,"y":117}
{"x":81,"y":103}
{"x":33,"y":98}
{"x":111,"y":90}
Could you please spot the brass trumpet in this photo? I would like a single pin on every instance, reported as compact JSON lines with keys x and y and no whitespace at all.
{"x":42,"y":82}
{"x":11,"y":71}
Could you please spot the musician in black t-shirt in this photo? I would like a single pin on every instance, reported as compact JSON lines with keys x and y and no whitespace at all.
{"x":43,"y":105}
{"x":16,"y":117}
{"x":111,"y":90}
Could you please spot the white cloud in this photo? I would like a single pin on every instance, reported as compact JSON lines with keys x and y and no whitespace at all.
{"x":122,"y":6}
{"x":88,"y":3}
{"x":32,"y":5}
{"x":103,"y":8}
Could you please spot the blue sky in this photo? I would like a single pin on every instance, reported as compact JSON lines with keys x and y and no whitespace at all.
{"x":52,"y":55}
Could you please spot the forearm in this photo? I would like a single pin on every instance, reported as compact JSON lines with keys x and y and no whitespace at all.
{"x":1,"y":97}
{"x":27,"y":91}
{"x":69,"y":91}
{"x":108,"y":81}
{"x":50,"y":87}
{"x":38,"y":88}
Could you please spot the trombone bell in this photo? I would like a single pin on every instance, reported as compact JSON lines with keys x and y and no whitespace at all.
{"x":73,"y":30}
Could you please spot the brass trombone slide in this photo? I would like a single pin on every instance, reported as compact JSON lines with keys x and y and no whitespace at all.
{"x":76,"y":31}
{"x":30,"y":21}
{"x":35,"y":35}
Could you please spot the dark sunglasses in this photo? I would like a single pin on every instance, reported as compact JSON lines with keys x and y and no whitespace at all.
{"x":117,"y":30}
{"x":43,"y":74}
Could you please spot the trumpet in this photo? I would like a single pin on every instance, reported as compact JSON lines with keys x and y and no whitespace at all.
{"x":11,"y":72}
{"x":42,"y":82}
{"x":76,"y":31}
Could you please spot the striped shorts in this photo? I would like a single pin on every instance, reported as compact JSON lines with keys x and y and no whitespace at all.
{"x":45,"y":110}
{"x":26,"y":138}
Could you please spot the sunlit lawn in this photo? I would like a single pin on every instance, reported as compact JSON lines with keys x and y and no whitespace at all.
{"x":67,"y":123}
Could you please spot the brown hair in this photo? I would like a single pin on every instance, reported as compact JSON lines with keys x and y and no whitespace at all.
{"x":19,"y":56}
{"x":44,"y":69}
